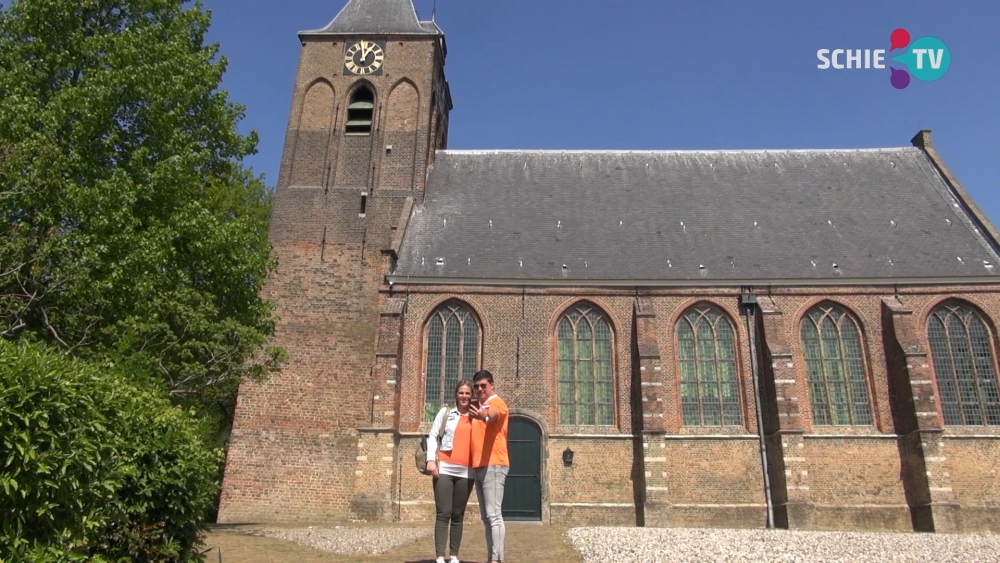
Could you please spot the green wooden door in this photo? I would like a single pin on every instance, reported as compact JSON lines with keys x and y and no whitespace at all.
{"x":522,"y":495}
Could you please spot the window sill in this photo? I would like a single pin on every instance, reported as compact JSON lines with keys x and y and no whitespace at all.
{"x":713,"y":430}
{"x":860,"y":431}
{"x":588,"y":431}
{"x":989,"y":432}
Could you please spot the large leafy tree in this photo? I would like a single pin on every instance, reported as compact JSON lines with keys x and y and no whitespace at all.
{"x":130,"y":230}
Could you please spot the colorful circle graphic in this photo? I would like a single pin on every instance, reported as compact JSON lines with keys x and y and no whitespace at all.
{"x":927,"y":59}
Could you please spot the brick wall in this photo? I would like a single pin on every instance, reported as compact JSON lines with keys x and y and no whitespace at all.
{"x":375,"y":475}
{"x":863,"y":489}
{"x":293,"y":448}
{"x":830,"y":476}
{"x":598,"y":488}
{"x":972,"y":464}
{"x":704,"y":481}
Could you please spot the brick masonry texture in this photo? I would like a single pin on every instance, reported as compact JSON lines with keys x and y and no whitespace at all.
{"x":331,"y":437}
{"x":850,"y":476}
{"x":295,"y":451}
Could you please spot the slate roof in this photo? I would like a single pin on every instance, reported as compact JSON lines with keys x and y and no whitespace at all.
{"x":432,"y":27}
{"x":690,"y":217}
{"x":392,"y":17}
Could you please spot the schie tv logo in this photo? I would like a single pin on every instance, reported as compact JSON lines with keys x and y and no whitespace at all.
{"x":927,"y":58}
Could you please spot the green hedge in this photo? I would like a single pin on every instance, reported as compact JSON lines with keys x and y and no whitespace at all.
{"x":96,"y":466}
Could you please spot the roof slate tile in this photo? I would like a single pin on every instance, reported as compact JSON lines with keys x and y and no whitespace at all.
{"x":695,"y":215}
{"x":377,"y":16}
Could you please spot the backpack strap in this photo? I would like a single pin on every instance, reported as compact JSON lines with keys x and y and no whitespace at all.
{"x":444,"y":424}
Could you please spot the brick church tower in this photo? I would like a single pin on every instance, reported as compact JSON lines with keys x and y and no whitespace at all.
{"x":369,"y":109}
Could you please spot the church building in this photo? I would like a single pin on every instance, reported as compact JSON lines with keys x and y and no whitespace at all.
{"x":685,"y":338}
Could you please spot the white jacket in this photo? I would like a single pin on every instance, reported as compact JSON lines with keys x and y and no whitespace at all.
{"x":450,"y":418}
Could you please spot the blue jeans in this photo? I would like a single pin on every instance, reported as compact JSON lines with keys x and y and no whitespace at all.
{"x":489,"y":490}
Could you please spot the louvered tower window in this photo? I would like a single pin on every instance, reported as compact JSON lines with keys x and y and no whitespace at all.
{"x":835,"y":367}
{"x":709,"y":389}
{"x":360,"y":112}
{"x":452,"y":354}
{"x":585,"y":367}
{"x":964,"y":366}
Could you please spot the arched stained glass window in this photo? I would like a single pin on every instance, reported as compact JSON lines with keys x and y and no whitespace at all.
{"x":835,"y":367}
{"x":709,"y":390}
{"x":586,"y":394}
{"x":452,"y":354}
{"x":964,"y":366}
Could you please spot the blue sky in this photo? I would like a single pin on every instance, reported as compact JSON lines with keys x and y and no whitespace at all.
{"x":656,"y":74}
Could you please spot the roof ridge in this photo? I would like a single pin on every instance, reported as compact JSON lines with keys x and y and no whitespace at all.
{"x":679,"y":151}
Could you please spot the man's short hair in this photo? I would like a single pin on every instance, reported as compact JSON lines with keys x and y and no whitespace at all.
{"x":481,"y":375}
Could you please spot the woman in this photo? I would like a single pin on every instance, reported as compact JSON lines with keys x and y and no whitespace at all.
{"x":450,"y":463}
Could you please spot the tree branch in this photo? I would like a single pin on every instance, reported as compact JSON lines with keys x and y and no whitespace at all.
{"x":52,"y":329}
{"x":11,"y":330}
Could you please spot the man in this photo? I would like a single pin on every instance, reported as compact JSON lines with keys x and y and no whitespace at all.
{"x":489,"y":458}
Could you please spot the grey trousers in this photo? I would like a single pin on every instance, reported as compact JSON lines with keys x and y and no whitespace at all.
{"x":489,"y":490}
{"x":451,"y":495}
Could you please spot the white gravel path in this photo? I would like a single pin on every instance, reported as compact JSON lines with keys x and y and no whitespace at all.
{"x":683,"y":545}
{"x":348,"y":540}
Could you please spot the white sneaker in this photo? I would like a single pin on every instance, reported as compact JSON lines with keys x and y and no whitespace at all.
{"x":454,"y":560}
{"x":439,"y":560}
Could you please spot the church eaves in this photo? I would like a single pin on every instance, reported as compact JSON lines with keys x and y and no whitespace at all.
{"x":800,"y":217}
{"x":388,"y":17}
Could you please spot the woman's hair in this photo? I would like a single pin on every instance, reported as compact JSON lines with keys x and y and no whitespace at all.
{"x":463,"y":383}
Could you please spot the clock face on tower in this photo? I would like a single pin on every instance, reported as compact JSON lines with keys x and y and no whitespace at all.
{"x":364,"y":57}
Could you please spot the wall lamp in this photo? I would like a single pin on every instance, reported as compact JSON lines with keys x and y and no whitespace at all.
{"x":568,"y":457}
